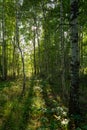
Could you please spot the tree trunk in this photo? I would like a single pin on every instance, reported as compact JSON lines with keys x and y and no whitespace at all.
{"x":38,"y":42}
{"x":34,"y":45}
{"x":46,"y":55}
{"x":13,"y":60}
{"x":18,"y":46}
{"x":4,"y":65}
{"x":74,"y":88}
{"x":62,"y":49}
{"x":81,"y":50}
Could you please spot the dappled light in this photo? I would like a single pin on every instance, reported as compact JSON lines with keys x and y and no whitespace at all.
{"x":43,"y":65}
{"x":37,"y":109}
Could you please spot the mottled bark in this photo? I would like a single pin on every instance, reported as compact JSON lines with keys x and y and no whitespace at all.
{"x":74,"y":88}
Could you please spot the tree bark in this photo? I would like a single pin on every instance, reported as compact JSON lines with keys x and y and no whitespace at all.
{"x":18,"y":46}
{"x":74,"y":88}
{"x":45,"y":69}
{"x":34,"y":46}
{"x":13,"y":60}
{"x":62,"y":49}
{"x":4,"y":65}
{"x":37,"y":33}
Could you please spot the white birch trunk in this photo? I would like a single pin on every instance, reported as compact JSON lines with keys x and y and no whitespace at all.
{"x":34,"y":46}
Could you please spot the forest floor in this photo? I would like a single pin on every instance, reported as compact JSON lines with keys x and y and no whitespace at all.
{"x":38,"y":109}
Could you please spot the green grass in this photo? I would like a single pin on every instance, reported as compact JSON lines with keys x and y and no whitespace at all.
{"x":41,"y":108}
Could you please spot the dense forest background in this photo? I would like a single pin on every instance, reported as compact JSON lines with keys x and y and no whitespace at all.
{"x":43,"y":65}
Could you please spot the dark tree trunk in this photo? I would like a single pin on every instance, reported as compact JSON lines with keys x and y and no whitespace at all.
{"x":74,"y":88}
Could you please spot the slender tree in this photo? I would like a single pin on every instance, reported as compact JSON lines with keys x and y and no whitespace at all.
{"x":4,"y":69}
{"x":62,"y":48}
{"x":34,"y":44}
{"x":45,"y":41}
{"x":38,"y":41}
{"x":18,"y":46}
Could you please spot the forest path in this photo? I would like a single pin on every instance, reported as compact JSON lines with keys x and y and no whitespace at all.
{"x":38,"y":109}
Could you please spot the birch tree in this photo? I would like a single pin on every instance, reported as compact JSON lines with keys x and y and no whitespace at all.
{"x":74,"y":88}
{"x":18,"y":46}
{"x":62,"y":48}
{"x":34,"y":45}
{"x":4,"y":70}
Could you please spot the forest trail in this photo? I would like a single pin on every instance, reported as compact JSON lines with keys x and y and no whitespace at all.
{"x":38,"y":109}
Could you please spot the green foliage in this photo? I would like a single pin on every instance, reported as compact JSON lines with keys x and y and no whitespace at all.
{"x":84,"y":127}
{"x":43,"y":18}
{"x":78,"y":128}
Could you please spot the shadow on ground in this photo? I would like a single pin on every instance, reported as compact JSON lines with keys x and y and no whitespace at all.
{"x":16,"y":111}
{"x":38,"y":109}
{"x":55,"y":112}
